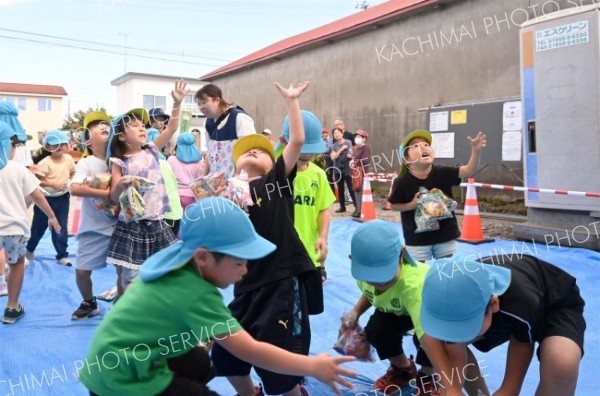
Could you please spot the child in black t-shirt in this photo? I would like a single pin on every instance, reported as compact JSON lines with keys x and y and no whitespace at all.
{"x":522,"y":300}
{"x":273,"y":301}
{"x":417,"y":171}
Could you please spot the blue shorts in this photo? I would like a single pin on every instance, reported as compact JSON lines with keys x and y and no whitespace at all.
{"x":15,"y":246}
{"x":92,"y":249}
{"x":428,"y":252}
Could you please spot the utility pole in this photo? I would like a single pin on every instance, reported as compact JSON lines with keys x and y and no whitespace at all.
{"x":125,"y":51}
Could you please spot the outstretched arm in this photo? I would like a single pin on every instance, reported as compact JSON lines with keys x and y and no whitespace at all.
{"x":291,"y":152}
{"x":178,"y":94}
{"x":517,"y":363}
{"x":323,"y":367}
{"x":476,"y":145}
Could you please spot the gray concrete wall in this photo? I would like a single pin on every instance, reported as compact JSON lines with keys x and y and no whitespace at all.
{"x":464,"y":51}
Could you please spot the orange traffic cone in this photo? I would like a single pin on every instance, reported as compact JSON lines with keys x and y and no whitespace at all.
{"x":471,"y":227}
{"x":337,"y":193}
{"x":367,"y":207}
{"x":76,"y":214}
{"x":388,"y":205}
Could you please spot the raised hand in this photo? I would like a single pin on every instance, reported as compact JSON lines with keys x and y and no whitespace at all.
{"x":291,"y":92}
{"x":479,"y":142}
{"x":180,"y":91}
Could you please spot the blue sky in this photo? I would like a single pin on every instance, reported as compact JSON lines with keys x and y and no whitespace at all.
{"x":198,"y":35}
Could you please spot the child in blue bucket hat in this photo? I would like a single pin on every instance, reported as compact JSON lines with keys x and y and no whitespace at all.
{"x":519,"y":299}
{"x":391,"y":281}
{"x":147,"y":343}
{"x":16,"y":183}
{"x":188,"y":164}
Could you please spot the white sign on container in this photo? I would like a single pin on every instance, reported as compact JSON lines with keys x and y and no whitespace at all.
{"x":443,"y":144}
{"x":512,"y":119}
{"x":438,"y":121}
{"x":562,"y":36}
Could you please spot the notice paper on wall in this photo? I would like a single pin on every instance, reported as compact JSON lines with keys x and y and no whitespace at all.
{"x":438,"y":121}
{"x":443,"y":144}
{"x":458,"y":117}
{"x":511,"y":116}
{"x":511,"y":146}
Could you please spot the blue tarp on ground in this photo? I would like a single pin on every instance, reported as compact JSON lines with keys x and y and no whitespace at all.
{"x":39,"y":354}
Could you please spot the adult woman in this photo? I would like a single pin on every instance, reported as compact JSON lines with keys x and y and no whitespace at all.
{"x":361,"y":162}
{"x":341,"y":154}
{"x":225,"y":124}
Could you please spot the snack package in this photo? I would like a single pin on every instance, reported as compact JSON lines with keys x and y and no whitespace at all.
{"x":131,"y":199}
{"x":432,"y":206}
{"x":353,"y":342}
{"x":238,"y":190}
{"x":100,"y":181}
{"x":108,"y":208}
{"x":209,"y":186}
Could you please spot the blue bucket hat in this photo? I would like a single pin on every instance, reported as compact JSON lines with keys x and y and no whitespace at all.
{"x":455,"y":296}
{"x":54,"y":137}
{"x":158,"y":112}
{"x":375,"y":249}
{"x":142,"y":114}
{"x":8,"y":114}
{"x":414,"y":134}
{"x":313,"y":141}
{"x":216,"y":224}
{"x":6,"y":132}
{"x":187,"y":151}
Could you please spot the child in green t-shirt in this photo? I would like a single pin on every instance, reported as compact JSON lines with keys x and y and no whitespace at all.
{"x":312,"y":194}
{"x":392,"y":282}
{"x":147,"y":343}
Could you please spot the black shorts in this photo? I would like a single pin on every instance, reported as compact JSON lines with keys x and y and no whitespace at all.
{"x":269,"y":315}
{"x":563,"y":320}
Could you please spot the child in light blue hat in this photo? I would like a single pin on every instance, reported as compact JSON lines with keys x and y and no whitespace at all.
{"x":16,"y":183}
{"x":188,"y":164}
{"x":519,"y":299}
{"x":149,"y":339}
{"x":391,"y":280}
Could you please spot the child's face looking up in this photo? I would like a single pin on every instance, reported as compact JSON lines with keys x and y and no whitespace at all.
{"x":99,"y":133}
{"x":255,"y":161}
{"x":135,"y":133}
{"x":418,"y":151}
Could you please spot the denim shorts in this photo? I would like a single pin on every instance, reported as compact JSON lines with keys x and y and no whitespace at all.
{"x":15,"y":246}
{"x":428,"y":252}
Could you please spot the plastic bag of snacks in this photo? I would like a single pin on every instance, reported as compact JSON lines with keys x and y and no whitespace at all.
{"x":209,"y":186}
{"x":106,"y":206}
{"x":238,"y":189}
{"x":432,"y":206}
{"x":131,"y":199}
{"x":353,"y":342}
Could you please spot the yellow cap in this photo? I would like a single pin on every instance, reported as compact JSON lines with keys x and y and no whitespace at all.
{"x":250,"y":142}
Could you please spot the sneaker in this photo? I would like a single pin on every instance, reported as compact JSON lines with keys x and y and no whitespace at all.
{"x":108,"y":295}
{"x":258,"y":391}
{"x":426,"y":385}
{"x":29,"y":255}
{"x":86,"y":310}
{"x":393,"y":380}
{"x":323,"y":274}
{"x":340,"y":210}
{"x":3,"y":289}
{"x":65,"y":261}
{"x":11,"y":315}
{"x":356,"y":214}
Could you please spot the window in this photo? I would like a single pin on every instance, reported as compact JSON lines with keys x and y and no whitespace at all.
{"x":188,"y":100}
{"x":22,"y":104}
{"x":151,"y":101}
{"x":8,"y":99}
{"x":44,"y":105}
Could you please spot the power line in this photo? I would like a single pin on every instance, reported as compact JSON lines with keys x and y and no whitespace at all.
{"x":114,"y":45}
{"x":106,"y":51}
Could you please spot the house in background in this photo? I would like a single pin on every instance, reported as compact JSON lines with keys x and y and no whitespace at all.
{"x":40,"y":107}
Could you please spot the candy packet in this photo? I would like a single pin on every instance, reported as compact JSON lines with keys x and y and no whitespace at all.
{"x":432,"y":206}
{"x":238,"y":190}
{"x":209,"y":186}
{"x":353,"y":342}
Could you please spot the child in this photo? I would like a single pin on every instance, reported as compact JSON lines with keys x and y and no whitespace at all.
{"x":95,"y":228}
{"x":417,"y":171}
{"x":272,"y":301}
{"x":188,"y":164}
{"x":54,"y":171}
{"x":16,"y":184}
{"x":391,"y":280}
{"x":136,"y":239}
{"x":522,"y":300}
{"x":312,"y":195}
{"x":172,"y":218}
{"x":146,"y":343}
